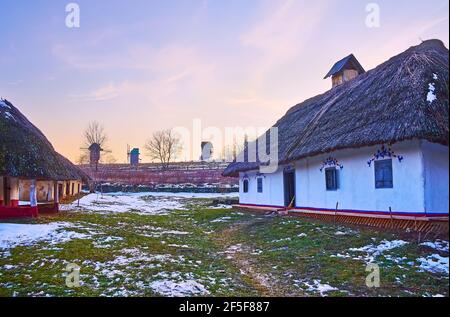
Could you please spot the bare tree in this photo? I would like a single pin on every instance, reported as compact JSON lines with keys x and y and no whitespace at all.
{"x":95,"y":133}
{"x":231,"y":151}
{"x":163,"y":146}
{"x":83,"y":158}
{"x":108,"y":159}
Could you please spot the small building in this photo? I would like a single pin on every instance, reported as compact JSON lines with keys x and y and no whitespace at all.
{"x":372,"y":150}
{"x":134,"y":157}
{"x":33,"y":176}
{"x":345,"y":70}
{"x":207,"y":151}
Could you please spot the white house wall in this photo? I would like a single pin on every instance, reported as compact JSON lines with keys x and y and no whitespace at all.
{"x":357,"y":181}
{"x":436,"y":161}
{"x":420,"y":182}
{"x":272,"y":194}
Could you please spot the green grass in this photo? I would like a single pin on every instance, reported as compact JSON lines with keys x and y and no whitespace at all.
{"x":275,"y":256}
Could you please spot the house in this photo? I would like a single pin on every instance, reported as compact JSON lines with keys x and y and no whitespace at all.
{"x":207,"y":151}
{"x":373,"y":149}
{"x":33,"y":176}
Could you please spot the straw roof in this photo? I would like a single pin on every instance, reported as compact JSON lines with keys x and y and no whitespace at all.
{"x":26,"y":153}
{"x":404,"y":98}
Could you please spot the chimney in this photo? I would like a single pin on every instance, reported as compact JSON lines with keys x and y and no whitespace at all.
{"x":345,"y":70}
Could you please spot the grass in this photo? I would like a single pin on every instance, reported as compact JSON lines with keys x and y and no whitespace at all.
{"x":228,"y":252}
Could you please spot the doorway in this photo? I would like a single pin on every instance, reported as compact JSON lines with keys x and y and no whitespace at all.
{"x":60,"y":190}
{"x":289,"y":188}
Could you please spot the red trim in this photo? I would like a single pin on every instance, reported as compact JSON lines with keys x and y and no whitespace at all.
{"x":14,"y":203}
{"x":352,"y":211}
{"x":263,"y":206}
{"x":18,"y":212}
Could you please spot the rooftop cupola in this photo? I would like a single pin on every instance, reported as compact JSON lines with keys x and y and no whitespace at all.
{"x":344,"y":70}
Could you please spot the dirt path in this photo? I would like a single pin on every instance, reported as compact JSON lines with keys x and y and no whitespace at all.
{"x":241,"y":257}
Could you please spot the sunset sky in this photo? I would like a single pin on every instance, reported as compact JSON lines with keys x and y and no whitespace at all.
{"x":143,"y":65}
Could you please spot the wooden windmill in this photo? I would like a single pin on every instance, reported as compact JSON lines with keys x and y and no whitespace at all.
{"x":95,"y":139}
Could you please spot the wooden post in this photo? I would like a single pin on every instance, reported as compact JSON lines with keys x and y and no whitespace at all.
{"x":2,"y":191}
{"x":392,"y":219}
{"x":56,"y":195}
{"x":33,"y":195}
{"x":335,"y":212}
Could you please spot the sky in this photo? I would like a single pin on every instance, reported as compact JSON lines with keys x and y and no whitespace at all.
{"x":145,"y":65}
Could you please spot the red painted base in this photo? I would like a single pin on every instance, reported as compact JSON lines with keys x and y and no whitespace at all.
{"x":14,"y":203}
{"x":18,"y":212}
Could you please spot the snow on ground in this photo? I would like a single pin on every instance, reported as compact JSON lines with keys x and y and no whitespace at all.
{"x":144,"y":203}
{"x":434,"y":263}
{"x":439,"y":245}
{"x":316,"y":287}
{"x":176,"y":285}
{"x":12,"y":235}
{"x":373,"y":251}
{"x":320,"y":288}
{"x":222,"y":219}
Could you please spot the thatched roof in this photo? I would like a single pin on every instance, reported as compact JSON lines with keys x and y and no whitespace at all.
{"x":25,"y":152}
{"x":404,"y":98}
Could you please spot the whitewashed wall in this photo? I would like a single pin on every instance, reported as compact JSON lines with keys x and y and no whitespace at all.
{"x":357,"y":181}
{"x":272,"y":194}
{"x":415,"y":181}
{"x":435,"y":157}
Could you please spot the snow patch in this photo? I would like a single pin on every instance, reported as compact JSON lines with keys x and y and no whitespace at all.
{"x":172,"y":288}
{"x":4,"y":105}
{"x":373,"y":251}
{"x":431,"y":96}
{"x":439,"y":245}
{"x":222,"y":219}
{"x":12,"y":235}
{"x":434,"y":264}
{"x":143,"y":203}
{"x":318,"y":287}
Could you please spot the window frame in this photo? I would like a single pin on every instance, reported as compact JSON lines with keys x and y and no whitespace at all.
{"x":260,"y":181}
{"x":384,"y":184}
{"x":335,"y":179}
{"x":245,"y":185}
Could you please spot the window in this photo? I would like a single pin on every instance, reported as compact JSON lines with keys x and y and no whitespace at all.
{"x":245,"y":185}
{"x":260,"y":184}
{"x":383,"y":174}
{"x":331,"y":178}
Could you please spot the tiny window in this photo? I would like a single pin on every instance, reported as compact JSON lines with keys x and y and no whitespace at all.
{"x":331,"y":178}
{"x":383,"y":174}
{"x":260,"y":184}
{"x":245,"y":185}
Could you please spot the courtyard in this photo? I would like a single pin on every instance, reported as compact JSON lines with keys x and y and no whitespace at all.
{"x":163,"y":244}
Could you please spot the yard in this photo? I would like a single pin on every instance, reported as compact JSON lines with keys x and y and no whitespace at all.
{"x":155,"y":244}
